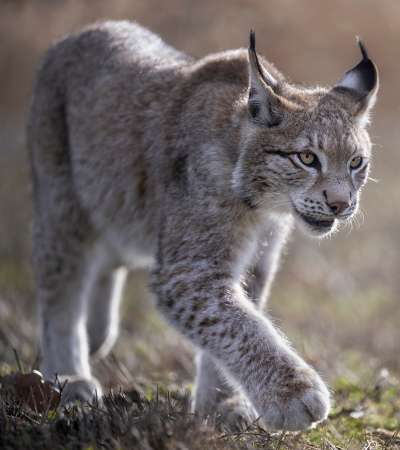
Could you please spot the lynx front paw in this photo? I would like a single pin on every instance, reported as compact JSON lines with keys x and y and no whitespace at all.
{"x":296,"y":401}
{"x":77,"y":388}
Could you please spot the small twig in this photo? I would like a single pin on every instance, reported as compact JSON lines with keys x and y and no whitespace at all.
{"x":246,"y":432}
{"x":35,"y":363}
{"x":242,"y":433}
{"x":32,"y":397}
{"x":18,"y":361}
{"x":26,"y":416}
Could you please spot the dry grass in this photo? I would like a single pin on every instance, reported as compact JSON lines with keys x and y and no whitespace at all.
{"x":366,"y":415}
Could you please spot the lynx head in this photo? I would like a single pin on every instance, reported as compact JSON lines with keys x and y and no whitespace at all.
{"x":306,"y":150}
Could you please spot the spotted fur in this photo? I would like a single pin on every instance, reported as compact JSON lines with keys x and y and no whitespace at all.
{"x":144,"y":157}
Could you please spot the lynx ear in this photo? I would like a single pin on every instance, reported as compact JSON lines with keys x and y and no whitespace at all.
{"x":361,"y":83}
{"x":263,"y":103}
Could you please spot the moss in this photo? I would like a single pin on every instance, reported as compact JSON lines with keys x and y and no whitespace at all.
{"x":5,"y":369}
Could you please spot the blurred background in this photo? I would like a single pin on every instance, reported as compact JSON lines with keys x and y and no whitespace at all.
{"x":337,"y":299}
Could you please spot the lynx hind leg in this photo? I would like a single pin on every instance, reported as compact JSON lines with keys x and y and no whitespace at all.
{"x":62,"y":267}
{"x":103,"y":313}
{"x":62,"y":260}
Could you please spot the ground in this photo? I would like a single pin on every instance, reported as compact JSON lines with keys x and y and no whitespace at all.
{"x":363,"y":417}
{"x":150,"y":373}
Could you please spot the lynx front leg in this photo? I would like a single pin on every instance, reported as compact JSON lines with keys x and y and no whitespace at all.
{"x":212,"y":387}
{"x":197,"y":292}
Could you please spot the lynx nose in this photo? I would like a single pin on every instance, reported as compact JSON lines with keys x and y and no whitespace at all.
{"x":338,"y":207}
{"x":336,"y":204}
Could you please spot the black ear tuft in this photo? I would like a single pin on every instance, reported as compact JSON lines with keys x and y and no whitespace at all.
{"x":252,"y":45}
{"x":253,"y":54}
{"x":362,"y":48}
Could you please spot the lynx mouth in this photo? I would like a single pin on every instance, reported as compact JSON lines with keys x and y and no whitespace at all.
{"x":317,"y":225}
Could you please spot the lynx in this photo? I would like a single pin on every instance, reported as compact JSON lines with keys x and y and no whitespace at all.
{"x":143,"y":157}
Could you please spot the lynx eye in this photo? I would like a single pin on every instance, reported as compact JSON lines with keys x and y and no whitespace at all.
{"x":356,"y":162}
{"x":308,"y":158}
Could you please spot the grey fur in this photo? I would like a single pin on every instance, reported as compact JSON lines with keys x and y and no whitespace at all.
{"x":144,"y":157}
